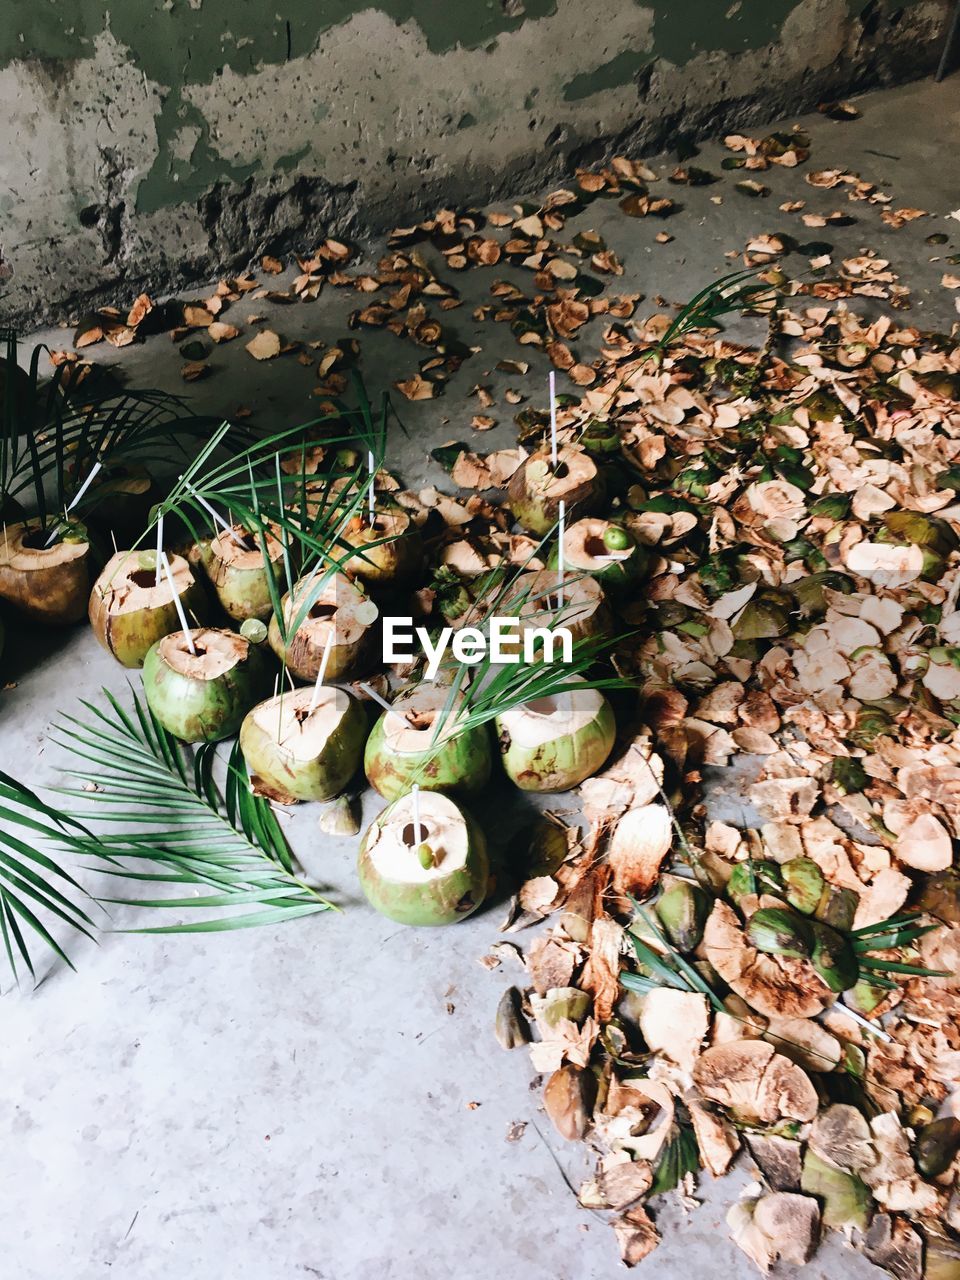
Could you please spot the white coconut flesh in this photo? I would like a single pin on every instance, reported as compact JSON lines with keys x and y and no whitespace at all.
{"x":217,"y":652}
{"x":559,"y":715}
{"x":126,"y":587}
{"x":573,"y":469}
{"x":584,"y":547}
{"x":246,"y":553}
{"x":335,"y":609}
{"x":393,"y":854}
{"x":542,"y":606}
{"x":303,"y":734}
{"x":19,"y":553}
{"x":420,"y":710}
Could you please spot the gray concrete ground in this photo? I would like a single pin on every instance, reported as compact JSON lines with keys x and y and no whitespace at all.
{"x":327,"y":1099}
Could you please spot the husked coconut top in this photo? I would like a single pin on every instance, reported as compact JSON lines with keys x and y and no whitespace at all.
{"x":386,"y":524}
{"x":17,"y":552}
{"x":421,"y":707}
{"x":288,"y":721}
{"x":545,"y":719}
{"x":574,"y":468}
{"x":335,"y":607}
{"x":584,"y":548}
{"x":245,"y":554}
{"x":394,"y":851}
{"x":536,"y":596}
{"x":125,"y":586}
{"x":217,"y":652}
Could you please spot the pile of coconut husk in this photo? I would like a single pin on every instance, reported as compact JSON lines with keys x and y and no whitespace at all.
{"x":781,"y":989}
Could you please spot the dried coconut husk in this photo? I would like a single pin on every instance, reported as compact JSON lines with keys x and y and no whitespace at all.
{"x":440,"y":887}
{"x":555,"y":742}
{"x":49,"y":584}
{"x":402,"y":748}
{"x":386,"y":561}
{"x":130,"y":610}
{"x":203,"y":696}
{"x":238,"y":574}
{"x":536,"y":488}
{"x":298,"y":753}
{"x":340,"y":607}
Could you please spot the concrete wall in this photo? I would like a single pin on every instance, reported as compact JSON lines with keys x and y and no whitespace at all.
{"x":153,"y":142}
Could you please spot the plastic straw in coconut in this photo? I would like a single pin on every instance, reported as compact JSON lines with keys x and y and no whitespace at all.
{"x":553,"y":418}
{"x":371,"y":493}
{"x":323,"y":670}
{"x":214,"y":515}
{"x":417,"y":829}
{"x":561,"y":518}
{"x":372,"y":693}
{"x":159,"y":546}
{"x":74,"y":500}
{"x":179,"y":607}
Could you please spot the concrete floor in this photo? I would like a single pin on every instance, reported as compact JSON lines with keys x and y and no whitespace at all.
{"x":327,"y":1099}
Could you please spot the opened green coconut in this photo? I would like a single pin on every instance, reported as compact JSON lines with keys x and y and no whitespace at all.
{"x":537,"y":488}
{"x":606,"y":551}
{"x":130,"y":609}
{"x":340,"y":607}
{"x":553,"y":743}
{"x":236,"y":568}
{"x":402,"y":750}
{"x":121,"y":500}
{"x":203,"y":696}
{"x":432,"y":876}
{"x":388,"y":550}
{"x":48,"y":583}
{"x":296,"y":751}
{"x":535,"y":600}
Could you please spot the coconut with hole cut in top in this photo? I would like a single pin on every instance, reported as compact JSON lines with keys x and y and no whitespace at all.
{"x":605,"y":550}
{"x":537,"y":488}
{"x":432,"y":875}
{"x":130,"y":610}
{"x":388,"y":550}
{"x":402,"y":749}
{"x":338,"y":607}
{"x":120,"y":501}
{"x":553,"y":743}
{"x":295,"y":753}
{"x":49,"y":584}
{"x":535,"y":600}
{"x":237,"y":571}
{"x":203,"y":696}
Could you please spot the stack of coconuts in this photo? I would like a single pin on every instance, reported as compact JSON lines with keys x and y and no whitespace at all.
{"x":423,"y":861}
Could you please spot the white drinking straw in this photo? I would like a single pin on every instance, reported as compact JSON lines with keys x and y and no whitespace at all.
{"x":215,"y":515}
{"x":560,"y":526}
{"x":323,"y":670}
{"x":553,"y":418}
{"x":372,"y":693}
{"x":159,"y":546}
{"x":179,"y":607}
{"x":74,"y":500}
{"x":417,"y":829}
{"x":371,"y":495}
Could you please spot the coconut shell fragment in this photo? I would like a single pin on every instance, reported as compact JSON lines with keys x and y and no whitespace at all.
{"x":755,"y":1083}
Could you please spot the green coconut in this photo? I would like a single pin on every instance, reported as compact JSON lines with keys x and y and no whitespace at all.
{"x":47,"y":583}
{"x":432,"y":876}
{"x":537,"y":488}
{"x":203,"y":696}
{"x":237,"y":571}
{"x":401,"y":749}
{"x":554,"y":743}
{"x":535,"y":599}
{"x":298,"y":753}
{"x":606,"y":551}
{"x":130,"y":610}
{"x":340,"y":607}
{"x":121,"y":500}
{"x":380,"y":562}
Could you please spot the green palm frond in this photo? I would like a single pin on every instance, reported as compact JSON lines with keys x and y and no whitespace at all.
{"x":175,"y":828}
{"x":736,"y":291}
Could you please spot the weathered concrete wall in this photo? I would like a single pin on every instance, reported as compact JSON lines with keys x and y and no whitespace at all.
{"x":157,"y":141}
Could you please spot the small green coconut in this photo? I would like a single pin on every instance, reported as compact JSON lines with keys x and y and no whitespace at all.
{"x":298,"y":753}
{"x":402,"y":882}
{"x":130,"y":610}
{"x":339,"y":606}
{"x":47,"y":583}
{"x":554,"y":743}
{"x":203,"y":696}
{"x":401,"y":750}
{"x":537,"y":488}
{"x":238,"y":573}
{"x":379,"y":562}
{"x":606,"y":551}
